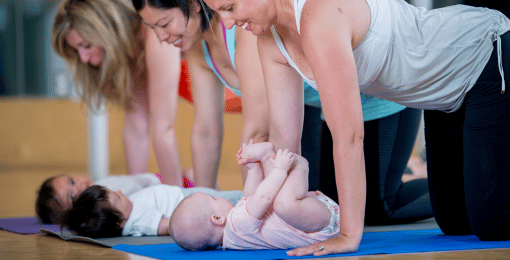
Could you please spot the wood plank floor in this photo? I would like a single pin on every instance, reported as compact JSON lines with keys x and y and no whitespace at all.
{"x":15,"y":246}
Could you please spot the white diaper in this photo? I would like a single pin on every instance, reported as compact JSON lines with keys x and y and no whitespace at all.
{"x":334,"y":221}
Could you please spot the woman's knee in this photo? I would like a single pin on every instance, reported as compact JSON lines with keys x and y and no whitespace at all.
{"x":453,"y":228}
{"x":492,"y":226}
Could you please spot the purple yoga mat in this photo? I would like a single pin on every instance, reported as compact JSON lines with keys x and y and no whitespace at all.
{"x":25,"y":225}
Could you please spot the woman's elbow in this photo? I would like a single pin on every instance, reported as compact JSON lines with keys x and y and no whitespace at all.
{"x":355,"y":137}
{"x":359,"y":136}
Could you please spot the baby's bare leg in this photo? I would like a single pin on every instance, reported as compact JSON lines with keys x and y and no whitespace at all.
{"x":295,"y":205}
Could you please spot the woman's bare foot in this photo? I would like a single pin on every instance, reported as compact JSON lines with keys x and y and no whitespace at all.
{"x":418,"y":168}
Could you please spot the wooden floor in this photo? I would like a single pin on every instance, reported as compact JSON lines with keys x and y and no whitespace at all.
{"x":15,"y":246}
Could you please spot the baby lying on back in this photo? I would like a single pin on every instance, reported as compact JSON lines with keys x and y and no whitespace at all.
{"x":276,"y":212}
{"x":99,"y":212}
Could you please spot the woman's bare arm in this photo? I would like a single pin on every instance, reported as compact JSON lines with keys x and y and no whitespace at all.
{"x":284,"y":89}
{"x":207,"y":131}
{"x":136,"y":133}
{"x":164,"y":69}
{"x":253,"y":92}
{"x":328,"y":42}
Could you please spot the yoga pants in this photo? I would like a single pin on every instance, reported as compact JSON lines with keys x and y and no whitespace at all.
{"x":468,"y":157}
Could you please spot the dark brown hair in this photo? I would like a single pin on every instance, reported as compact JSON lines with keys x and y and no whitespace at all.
{"x":47,"y":207}
{"x":206,"y":13}
{"x":91,"y":215}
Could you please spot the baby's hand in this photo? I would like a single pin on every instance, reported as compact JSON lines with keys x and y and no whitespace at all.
{"x":283,"y":159}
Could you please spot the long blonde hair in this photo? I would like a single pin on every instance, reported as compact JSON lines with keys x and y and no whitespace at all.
{"x":113,"y":25}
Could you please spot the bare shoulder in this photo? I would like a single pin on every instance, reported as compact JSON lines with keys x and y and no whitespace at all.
{"x":202,"y":76}
{"x":159,"y":51}
{"x":152,"y":43}
{"x":150,"y":40}
{"x":244,"y":37}
{"x":266,"y":40}
{"x":246,"y":48}
{"x":347,"y":8}
{"x":268,"y":48}
{"x":195,"y":56}
{"x":344,"y":18}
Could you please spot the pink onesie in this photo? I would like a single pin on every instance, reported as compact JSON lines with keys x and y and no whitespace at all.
{"x":243,"y":231}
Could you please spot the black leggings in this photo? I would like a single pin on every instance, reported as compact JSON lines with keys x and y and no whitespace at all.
{"x":388,"y":144}
{"x":468,"y":158}
{"x":310,"y":144}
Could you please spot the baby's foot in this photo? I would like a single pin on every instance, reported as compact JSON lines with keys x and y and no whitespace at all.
{"x":238,"y":156}
{"x":255,"y":152}
{"x":240,"y":159}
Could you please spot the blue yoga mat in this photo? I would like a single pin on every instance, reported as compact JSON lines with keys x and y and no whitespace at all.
{"x":392,"y":242}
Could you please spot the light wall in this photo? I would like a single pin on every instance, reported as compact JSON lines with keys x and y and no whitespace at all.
{"x":42,"y":137}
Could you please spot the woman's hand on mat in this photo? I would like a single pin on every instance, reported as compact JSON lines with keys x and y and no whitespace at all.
{"x":340,"y":244}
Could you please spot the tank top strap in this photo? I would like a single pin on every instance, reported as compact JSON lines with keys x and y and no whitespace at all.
{"x":230,"y":45}
{"x":230,"y":42}
{"x":298,"y":8}
{"x":280,"y":45}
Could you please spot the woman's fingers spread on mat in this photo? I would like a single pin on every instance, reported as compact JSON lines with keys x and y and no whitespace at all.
{"x":340,"y":244}
{"x":314,"y":249}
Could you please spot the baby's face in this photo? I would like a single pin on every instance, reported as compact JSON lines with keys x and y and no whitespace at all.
{"x":120,"y":202}
{"x":69,"y":187}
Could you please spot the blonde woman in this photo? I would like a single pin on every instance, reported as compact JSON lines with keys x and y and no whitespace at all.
{"x":114,"y":57}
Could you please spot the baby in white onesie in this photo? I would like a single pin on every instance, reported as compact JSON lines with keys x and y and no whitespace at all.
{"x":100,"y":212}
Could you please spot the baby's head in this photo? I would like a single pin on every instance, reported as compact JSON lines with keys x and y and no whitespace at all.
{"x":98,"y":212}
{"x":56,"y":195}
{"x":198,"y":221}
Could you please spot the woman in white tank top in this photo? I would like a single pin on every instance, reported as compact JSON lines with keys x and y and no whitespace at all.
{"x":435,"y":60}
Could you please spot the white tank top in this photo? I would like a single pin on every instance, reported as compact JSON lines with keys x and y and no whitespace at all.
{"x":424,"y":59}
{"x":373,"y":108}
